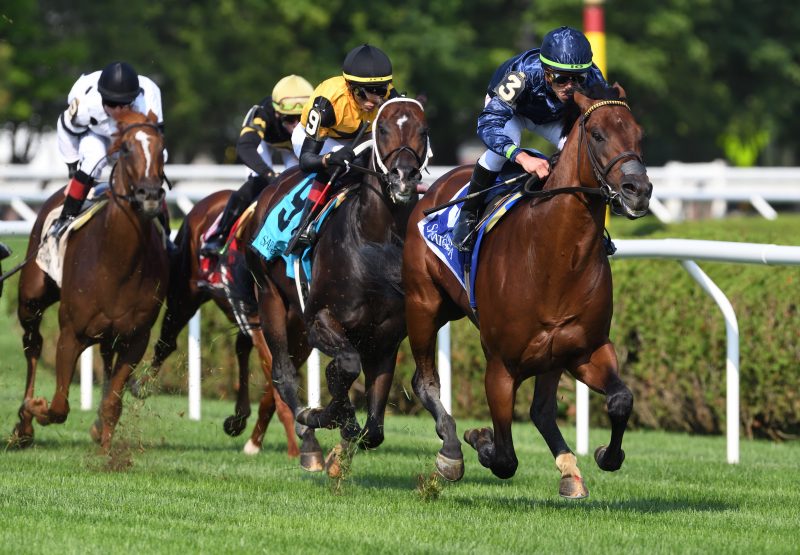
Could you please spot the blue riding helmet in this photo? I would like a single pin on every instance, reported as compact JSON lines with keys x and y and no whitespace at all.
{"x":566,"y":49}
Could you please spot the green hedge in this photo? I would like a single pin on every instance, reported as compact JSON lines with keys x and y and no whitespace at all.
{"x":669,"y":334}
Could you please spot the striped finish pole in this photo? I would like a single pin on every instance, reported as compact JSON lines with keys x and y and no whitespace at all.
{"x":594,"y":28}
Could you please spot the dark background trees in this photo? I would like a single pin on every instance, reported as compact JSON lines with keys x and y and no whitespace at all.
{"x":707,"y":78}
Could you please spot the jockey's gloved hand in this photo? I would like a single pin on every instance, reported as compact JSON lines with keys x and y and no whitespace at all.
{"x":341,"y":157}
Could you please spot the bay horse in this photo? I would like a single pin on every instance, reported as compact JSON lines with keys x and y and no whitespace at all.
{"x":354,"y":310}
{"x":543,"y":294}
{"x":114,"y":278}
{"x":184,"y":298}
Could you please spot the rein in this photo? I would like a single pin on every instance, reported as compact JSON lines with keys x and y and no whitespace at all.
{"x":130,"y":197}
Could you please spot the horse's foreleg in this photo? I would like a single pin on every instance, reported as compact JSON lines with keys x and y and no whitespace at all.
{"x":235,"y":424}
{"x":498,"y":454}
{"x":601,"y":375}
{"x":328,"y":335}
{"x":378,"y":382}
{"x":543,"y":414}
{"x":68,"y":351}
{"x":422,"y":329}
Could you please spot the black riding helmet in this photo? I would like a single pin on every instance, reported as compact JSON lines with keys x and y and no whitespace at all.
{"x":367,"y":65}
{"x":119,"y":83}
{"x":566,"y":49}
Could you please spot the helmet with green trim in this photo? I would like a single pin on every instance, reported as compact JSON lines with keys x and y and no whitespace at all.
{"x":367,"y":65}
{"x":566,"y":49}
{"x":290,"y":94}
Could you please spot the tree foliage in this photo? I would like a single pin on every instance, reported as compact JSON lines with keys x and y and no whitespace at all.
{"x":706,"y":78}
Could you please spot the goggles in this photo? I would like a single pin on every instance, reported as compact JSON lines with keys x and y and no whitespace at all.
{"x":361,"y":91}
{"x":290,"y":118}
{"x":288,"y":105}
{"x":564,"y":78}
{"x":112,"y":104}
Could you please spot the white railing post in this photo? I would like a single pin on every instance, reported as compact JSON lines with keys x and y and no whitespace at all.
{"x":443,"y":363}
{"x":87,"y":376}
{"x":312,"y":365}
{"x":194,"y":366}
{"x":732,"y":357}
{"x":581,"y":418}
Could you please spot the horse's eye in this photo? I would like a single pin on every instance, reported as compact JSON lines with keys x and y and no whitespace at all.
{"x":383,"y":130}
{"x":597,"y":136}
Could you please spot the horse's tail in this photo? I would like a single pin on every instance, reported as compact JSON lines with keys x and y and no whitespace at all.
{"x":381,"y":265}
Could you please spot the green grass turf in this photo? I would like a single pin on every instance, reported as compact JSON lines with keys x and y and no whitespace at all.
{"x":183,"y":486}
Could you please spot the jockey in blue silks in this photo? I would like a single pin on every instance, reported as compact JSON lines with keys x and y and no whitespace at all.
{"x":528,"y":91}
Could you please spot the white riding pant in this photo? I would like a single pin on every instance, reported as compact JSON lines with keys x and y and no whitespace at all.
{"x":513,"y":128}
{"x":330,"y":144}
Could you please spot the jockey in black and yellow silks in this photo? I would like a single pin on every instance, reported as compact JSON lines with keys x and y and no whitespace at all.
{"x":332,"y":119}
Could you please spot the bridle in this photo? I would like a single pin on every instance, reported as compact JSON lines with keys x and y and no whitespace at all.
{"x":381,"y":161}
{"x":605,"y":191}
{"x":129,"y":195}
{"x":601,"y":172}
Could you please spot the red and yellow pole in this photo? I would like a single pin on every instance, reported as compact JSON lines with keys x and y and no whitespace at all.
{"x":594,"y":27}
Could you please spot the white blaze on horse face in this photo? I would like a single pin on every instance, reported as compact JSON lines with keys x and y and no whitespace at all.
{"x":401,"y":121}
{"x":144,"y":139}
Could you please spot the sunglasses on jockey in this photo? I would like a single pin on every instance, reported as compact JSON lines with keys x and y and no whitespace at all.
{"x":112,"y":104}
{"x":361,"y":91}
{"x":288,"y":105}
{"x":564,"y":78}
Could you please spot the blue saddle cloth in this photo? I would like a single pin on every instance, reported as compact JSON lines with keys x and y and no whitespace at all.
{"x":279,"y":225}
{"x":437,"y":230}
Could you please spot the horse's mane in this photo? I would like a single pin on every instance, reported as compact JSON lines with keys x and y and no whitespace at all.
{"x":572,"y":111}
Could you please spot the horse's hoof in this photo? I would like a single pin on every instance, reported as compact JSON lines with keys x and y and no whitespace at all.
{"x":139,"y":389}
{"x":250,"y":448}
{"x":19,"y":439}
{"x":94,"y":431}
{"x":39,"y":409}
{"x":602,"y":460}
{"x":451,"y":470}
{"x":234,"y":425}
{"x":312,"y":462}
{"x":572,"y":487}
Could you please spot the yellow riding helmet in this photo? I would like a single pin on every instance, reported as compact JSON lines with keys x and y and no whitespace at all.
{"x":290,"y":95}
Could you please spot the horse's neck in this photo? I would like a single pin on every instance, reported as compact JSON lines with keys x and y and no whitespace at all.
{"x":376,"y":215}
{"x":125,"y":234}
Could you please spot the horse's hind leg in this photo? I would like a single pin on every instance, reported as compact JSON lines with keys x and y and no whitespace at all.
{"x":600,"y":374}
{"x":235,"y":424}
{"x":111,"y":406}
{"x":107,"y":355}
{"x":30,"y":313}
{"x":496,"y":447}
{"x":543,"y":415}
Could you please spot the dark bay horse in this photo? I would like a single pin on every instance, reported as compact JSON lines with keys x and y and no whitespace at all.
{"x":114,"y":278}
{"x":185,"y":296}
{"x":543,"y":293}
{"x":354,"y":310}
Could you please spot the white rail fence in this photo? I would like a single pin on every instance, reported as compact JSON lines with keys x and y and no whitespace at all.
{"x":680,"y":190}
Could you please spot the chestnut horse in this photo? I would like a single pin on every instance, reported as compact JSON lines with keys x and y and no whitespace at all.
{"x":354,"y":310}
{"x":115,"y":274}
{"x":543,"y":294}
{"x":184,"y":298}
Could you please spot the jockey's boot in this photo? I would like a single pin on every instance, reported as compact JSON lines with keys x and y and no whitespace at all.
{"x":463,"y":236}
{"x":301,"y":239}
{"x":233,"y":209}
{"x":76,"y":191}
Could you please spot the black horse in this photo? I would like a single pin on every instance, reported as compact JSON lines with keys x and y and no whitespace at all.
{"x":354,"y":312}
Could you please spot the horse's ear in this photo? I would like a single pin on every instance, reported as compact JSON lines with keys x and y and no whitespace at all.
{"x":582,"y":101}
{"x":152,"y":117}
{"x":619,"y":89}
{"x":422,"y":98}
